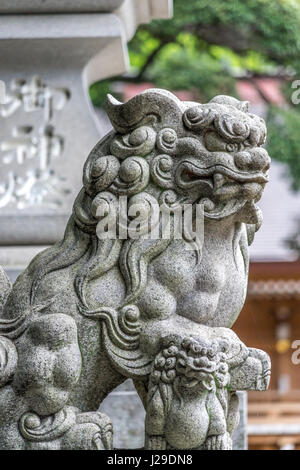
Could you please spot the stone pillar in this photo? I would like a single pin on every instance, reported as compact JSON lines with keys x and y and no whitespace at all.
{"x":50,"y":53}
{"x":240,"y":435}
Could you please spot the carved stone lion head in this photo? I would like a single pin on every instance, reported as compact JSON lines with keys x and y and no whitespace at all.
{"x":210,"y":153}
{"x":164,"y":151}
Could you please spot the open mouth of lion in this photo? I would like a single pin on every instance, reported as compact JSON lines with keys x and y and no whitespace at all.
{"x":223,"y":187}
{"x":216,"y":176}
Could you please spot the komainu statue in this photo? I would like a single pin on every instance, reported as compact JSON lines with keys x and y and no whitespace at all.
{"x":127,"y":295}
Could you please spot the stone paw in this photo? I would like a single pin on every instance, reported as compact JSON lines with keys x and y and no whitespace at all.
{"x":68,"y":429}
{"x":156,"y":443}
{"x":263,"y":380}
{"x":219,"y":442}
{"x":92,"y":431}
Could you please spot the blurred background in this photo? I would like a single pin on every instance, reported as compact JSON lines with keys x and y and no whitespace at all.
{"x":249,"y":49}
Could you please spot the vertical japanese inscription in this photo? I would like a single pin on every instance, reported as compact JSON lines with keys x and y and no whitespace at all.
{"x":38,"y":184}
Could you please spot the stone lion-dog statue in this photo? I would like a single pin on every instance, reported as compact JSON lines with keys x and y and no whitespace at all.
{"x":92,"y":311}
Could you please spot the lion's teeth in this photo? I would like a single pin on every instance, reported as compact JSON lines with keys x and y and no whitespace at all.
{"x":219,"y":180}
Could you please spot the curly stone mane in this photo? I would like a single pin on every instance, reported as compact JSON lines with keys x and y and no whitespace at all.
{"x":150,"y":162}
{"x":132,"y":162}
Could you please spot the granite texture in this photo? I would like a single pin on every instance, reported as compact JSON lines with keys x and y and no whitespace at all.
{"x":100,"y":307}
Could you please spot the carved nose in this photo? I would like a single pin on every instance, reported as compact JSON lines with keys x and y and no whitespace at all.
{"x":257,"y":160}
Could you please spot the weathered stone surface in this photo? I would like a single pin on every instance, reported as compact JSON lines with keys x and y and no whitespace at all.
{"x":150,"y":304}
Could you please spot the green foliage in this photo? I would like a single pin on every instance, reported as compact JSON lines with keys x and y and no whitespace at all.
{"x":283,"y":140}
{"x":179,"y":66}
{"x":270,"y":27}
{"x":208,"y":43}
{"x":98,"y":92}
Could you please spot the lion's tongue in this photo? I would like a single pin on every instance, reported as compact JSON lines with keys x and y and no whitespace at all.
{"x":250,"y":214}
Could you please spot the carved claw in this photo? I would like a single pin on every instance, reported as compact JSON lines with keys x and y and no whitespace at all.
{"x":156,"y":443}
{"x":263,"y":380}
{"x":92,"y":431}
{"x":220,"y":442}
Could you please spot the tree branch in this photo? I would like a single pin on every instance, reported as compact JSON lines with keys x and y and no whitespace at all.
{"x":259,"y":91}
{"x":150,"y":59}
{"x":232,"y":37}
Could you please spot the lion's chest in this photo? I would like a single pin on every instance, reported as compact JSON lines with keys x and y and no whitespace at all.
{"x":209,"y":292}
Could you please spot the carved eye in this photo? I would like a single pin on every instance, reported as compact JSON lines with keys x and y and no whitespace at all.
{"x":232,"y":130}
{"x":199,"y":117}
{"x":240,"y":128}
{"x":133,"y":177}
{"x":242,"y":160}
